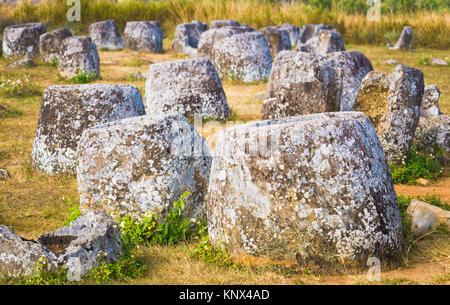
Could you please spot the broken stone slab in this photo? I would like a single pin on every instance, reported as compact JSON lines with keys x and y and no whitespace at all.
{"x":22,"y":39}
{"x":78,"y":55}
{"x":19,"y":256}
{"x":144,"y":36}
{"x":4,"y":174}
{"x":244,"y":57}
{"x":278,"y":39}
{"x":432,"y":131}
{"x":187,"y":36}
{"x":355,"y":66}
{"x":91,"y":239}
{"x":142,"y":165}
{"x":50,"y":44}
{"x":293,"y":31}
{"x":212,"y":36}
{"x":438,"y":61}
{"x":302,"y":83}
{"x":392,"y":101}
{"x":392,"y":62}
{"x":326,"y":41}
{"x":315,"y":188}
{"x":426,"y":217}
{"x":106,"y":35}
{"x":190,"y":87}
{"x":404,"y":42}
{"x":216,"y":24}
{"x":25,"y":62}
{"x":68,"y":110}
{"x":430,"y":102}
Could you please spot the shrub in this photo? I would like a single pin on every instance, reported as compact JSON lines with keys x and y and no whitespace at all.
{"x":216,"y":255}
{"x":84,"y":78}
{"x":418,"y":165}
{"x":74,"y":210}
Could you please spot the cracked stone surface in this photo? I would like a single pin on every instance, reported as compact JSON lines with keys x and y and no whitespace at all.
{"x":245,"y":57}
{"x":50,"y":44}
{"x":66,"y":111}
{"x":392,"y":101}
{"x":78,"y":55}
{"x":106,"y":35}
{"x":302,"y":83}
{"x":143,"y":164}
{"x":315,"y":188}
{"x":433,"y":131}
{"x":144,"y":36}
{"x":309,"y":31}
{"x":22,"y":39}
{"x":189,"y":87}
{"x":294,"y":32}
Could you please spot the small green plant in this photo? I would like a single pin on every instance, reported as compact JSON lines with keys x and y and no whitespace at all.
{"x":424,"y":60}
{"x":18,"y":88}
{"x":418,"y":165}
{"x":134,"y":62}
{"x":84,"y":78}
{"x":153,"y":229}
{"x":74,"y":209}
{"x":126,"y":268}
{"x":206,"y":252}
{"x":54,"y":62}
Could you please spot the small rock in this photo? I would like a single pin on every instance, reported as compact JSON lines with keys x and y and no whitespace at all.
{"x":326,"y":41}
{"x":144,"y":36}
{"x":426,"y":217}
{"x":423,"y":181}
{"x":430,"y":102}
{"x":260,"y":96}
{"x":137,"y":75}
{"x":391,"y":62}
{"x":26,"y":62}
{"x":438,"y":61}
{"x":4,"y":174}
{"x":106,"y":35}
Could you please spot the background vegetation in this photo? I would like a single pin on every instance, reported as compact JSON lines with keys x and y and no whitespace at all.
{"x":430,"y":19}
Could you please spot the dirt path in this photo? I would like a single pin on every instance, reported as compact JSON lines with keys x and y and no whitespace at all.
{"x":441,"y":189}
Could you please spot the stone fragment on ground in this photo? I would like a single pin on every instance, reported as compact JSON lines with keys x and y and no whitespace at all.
{"x":426,"y":217}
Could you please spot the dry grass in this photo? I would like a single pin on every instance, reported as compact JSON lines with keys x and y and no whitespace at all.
{"x":32,"y":203}
{"x":430,"y":29}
